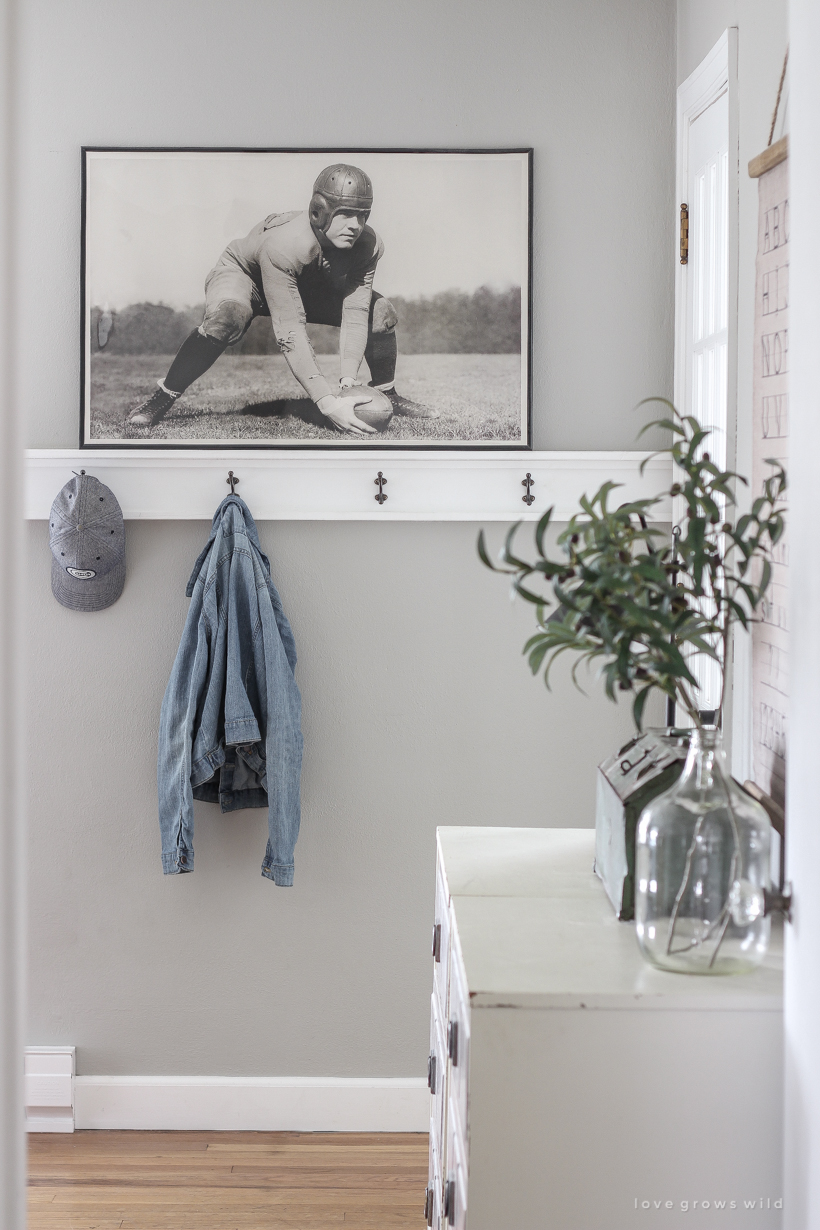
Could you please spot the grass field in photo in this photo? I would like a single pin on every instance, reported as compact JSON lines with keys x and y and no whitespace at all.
{"x":254,"y":399}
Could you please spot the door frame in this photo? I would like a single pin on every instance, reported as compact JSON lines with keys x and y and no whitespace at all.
{"x":716,"y":75}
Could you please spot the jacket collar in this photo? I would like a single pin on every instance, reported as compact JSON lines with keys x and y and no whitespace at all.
{"x":230,"y":502}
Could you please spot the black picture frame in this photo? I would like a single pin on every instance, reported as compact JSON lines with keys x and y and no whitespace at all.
{"x":461,"y":384}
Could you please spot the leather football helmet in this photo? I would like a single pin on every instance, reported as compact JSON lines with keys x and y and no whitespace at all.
{"x":339,"y":187}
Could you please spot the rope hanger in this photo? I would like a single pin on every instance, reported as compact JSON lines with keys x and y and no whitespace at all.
{"x":779,"y":92}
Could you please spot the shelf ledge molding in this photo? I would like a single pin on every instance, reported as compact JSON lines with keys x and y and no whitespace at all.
{"x":177,"y":484}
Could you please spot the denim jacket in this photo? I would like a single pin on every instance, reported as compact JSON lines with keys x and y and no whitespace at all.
{"x":230,"y":726}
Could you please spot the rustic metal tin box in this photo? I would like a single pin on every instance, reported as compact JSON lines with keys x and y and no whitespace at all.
{"x":645,"y":767}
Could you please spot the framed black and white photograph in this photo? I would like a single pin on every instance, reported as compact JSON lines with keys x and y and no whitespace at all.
{"x":311,"y":298}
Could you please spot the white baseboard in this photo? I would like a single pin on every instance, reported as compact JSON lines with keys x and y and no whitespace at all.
{"x":53,"y":1121}
{"x":252,"y":1104}
{"x":49,"y":1088}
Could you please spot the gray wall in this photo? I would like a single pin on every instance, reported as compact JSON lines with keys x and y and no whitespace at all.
{"x":762,"y":37}
{"x":419,"y":709}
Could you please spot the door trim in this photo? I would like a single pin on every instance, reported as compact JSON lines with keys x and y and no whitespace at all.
{"x":715,"y":75}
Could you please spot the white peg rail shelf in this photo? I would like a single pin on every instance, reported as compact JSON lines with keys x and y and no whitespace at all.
{"x":303,"y":485}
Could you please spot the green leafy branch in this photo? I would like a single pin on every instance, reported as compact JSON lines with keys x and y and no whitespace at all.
{"x":626,"y":600}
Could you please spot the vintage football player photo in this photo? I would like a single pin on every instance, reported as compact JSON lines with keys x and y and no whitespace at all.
{"x":314,"y":298}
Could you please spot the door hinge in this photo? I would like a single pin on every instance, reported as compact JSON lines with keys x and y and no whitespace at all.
{"x":684,"y":234}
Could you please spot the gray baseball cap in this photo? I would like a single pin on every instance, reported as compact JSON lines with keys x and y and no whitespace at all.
{"x":87,"y":540}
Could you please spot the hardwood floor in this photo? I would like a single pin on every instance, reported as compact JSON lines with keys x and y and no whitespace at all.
{"x":226,"y":1181}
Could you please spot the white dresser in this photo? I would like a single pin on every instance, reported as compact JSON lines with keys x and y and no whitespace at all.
{"x":571,"y":1083}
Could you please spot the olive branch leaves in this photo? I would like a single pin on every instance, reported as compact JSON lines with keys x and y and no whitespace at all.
{"x":628,"y":601}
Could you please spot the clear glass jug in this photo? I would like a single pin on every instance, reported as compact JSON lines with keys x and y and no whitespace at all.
{"x":701,"y":868}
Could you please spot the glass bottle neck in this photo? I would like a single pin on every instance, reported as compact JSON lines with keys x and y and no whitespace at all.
{"x":706,"y":761}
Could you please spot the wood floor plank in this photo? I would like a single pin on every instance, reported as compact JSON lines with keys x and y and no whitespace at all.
{"x":104,"y":1200}
{"x":226,"y":1181}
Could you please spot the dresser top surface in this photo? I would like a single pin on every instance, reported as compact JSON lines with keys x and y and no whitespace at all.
{"x":536,"y":929}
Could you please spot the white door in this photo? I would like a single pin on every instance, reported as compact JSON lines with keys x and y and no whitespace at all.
{"x":702,"y":313}
{"x":707,"y":302}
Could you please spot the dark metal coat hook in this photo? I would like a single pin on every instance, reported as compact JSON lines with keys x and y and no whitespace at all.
{"x":380,"y":483}
{"x":528,"y":482}
{"x":232,"y":480}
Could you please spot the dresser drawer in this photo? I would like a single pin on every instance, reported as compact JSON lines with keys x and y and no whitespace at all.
{"x":441,"y":938}
{"x":432,"y":1196}
{"x":437,"y":1071}
{"x":454,"y":1192}
{"x":458,"y":1033}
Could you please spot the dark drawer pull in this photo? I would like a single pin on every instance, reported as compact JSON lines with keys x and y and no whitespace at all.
{"x":450,"y":1202}
{"x":431,"y":1074}
{"x":437,"y":942}
{"x":452,"y":1042}
{"x":428,"y":1206}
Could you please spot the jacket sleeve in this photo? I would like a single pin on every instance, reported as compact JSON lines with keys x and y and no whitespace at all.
{"x":288,"y":318}
{"x":355,"y":321}
{"x":282,"y":624}
{"x":283,"y":738}
{"x":176,"y":725}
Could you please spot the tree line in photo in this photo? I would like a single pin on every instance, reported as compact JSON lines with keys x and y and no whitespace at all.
{"x":485,"y":322}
